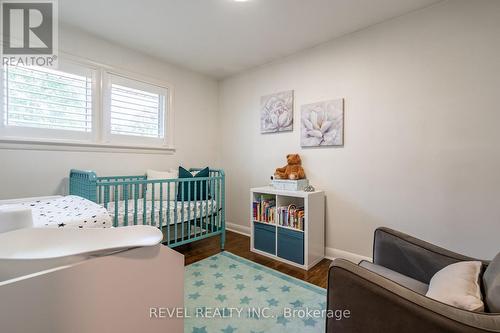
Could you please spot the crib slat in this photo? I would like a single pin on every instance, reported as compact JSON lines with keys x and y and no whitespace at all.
{"x":214,"y":197}
{"x":175,"y":212}
{"x":106,"y":196}
{"x":160,"y":217}
{"x":197,"y":197}
{"x":214,"y":224}
{"x":182,"y":210}
{"x":125,"y":198}
{"x":168,"y":213}
{"x":115,"y":223}
{"x":206,"y":205}
{"x":153,"y":199}
{"x":189,"y":208}
{"x":136,"y":196}
{"x":223,"y":210}
{"x":209,"y":217}
{"x":144,"y":195}
{"x":219,"y":199}
{"x":198,"y":210}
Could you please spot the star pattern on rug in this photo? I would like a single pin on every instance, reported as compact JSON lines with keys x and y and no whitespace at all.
{"x":241,"y":284}
{"x":245,"y":300}
{"x":297,"y":304}
{"x":282,"y":320}
{"x":194,"y":296}
{"x":228,"y":329}
{"x":285,"y":289}
{"x":214,"y":266}
{"x":262,"y":289}
{"x":199,"y":283}
{"x":272,"y":302}
{"x":309,"y":322}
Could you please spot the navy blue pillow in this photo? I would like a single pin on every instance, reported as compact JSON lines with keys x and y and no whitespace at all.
{"x":201,"y":186}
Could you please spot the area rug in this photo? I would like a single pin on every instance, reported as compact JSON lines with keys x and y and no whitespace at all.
{"x":229,"y":294}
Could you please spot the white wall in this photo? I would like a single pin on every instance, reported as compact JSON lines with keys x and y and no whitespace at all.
{"x":422,"y":151}
{"x":34,"y":172}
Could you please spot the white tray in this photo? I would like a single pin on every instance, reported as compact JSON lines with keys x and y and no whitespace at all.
{"x":47,"y":243}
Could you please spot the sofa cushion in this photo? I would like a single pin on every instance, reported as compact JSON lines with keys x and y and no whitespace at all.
{"x":405,"y":281}
{"x":458,"y":285}
{"x":491,"y":281}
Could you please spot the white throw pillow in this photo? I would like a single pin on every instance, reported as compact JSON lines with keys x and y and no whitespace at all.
{"x":153,"y":175}
{"x":458,"y":285}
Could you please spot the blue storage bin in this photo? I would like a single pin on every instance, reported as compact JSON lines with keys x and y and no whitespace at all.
{"x":264,"y":238}
{"x":291,"y":245}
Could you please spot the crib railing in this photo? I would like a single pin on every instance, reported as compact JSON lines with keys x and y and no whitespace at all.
{"x":196,"y":210}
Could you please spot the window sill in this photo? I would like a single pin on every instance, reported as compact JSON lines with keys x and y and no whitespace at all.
{"x":29,"y":144}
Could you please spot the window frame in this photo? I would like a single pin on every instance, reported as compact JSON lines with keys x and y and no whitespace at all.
{"x":100,"y":138}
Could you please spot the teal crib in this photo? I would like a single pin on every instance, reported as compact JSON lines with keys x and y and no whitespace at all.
{"x":183,"y":217}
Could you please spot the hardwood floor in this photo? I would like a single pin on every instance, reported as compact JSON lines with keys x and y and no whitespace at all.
{"x":240,"y":245}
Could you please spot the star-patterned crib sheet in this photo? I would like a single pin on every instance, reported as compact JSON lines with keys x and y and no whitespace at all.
{"x":70,"y":211}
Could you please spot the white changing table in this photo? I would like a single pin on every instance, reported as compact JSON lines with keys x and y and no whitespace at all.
{"x":112,"y":293}
{"x":87,"y":280}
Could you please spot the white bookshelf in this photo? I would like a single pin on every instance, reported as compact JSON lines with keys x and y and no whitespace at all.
{"x":314,"y":225}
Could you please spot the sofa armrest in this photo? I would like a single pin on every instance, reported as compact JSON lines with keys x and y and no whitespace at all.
{"x":377,"y":304}
{"x":411,"y":256}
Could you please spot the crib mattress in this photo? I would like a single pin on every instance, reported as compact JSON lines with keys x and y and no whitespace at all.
{"x":181,"y":213}
{"x":70,"y":211}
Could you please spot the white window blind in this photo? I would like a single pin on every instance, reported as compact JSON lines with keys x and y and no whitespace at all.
{"x":84,"y":104}
{"x":35,"y":97}
{"x":136,"y":108}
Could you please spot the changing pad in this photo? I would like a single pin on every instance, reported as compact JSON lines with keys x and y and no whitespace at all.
{"x":70,"y":211}
{"x":47,"y":243}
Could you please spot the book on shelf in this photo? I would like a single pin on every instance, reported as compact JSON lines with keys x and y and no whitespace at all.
{"x":264,"y":209}
{"x":291,"y":217}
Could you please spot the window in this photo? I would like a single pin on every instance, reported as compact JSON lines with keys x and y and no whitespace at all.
{"x":137,"y":110}
{"x":85,"y":104}
{"x":46,"y":103}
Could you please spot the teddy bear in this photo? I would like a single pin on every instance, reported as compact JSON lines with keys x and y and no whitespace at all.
{"x":293,"y":169}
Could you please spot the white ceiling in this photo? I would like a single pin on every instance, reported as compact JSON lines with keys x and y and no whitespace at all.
{"x":223,"y":37}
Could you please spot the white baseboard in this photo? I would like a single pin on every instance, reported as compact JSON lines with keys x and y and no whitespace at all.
{"x":238,"y":228}
{"x":330,"y":252}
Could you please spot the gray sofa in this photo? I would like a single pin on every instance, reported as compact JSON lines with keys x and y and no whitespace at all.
{"x":388,"y":295}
